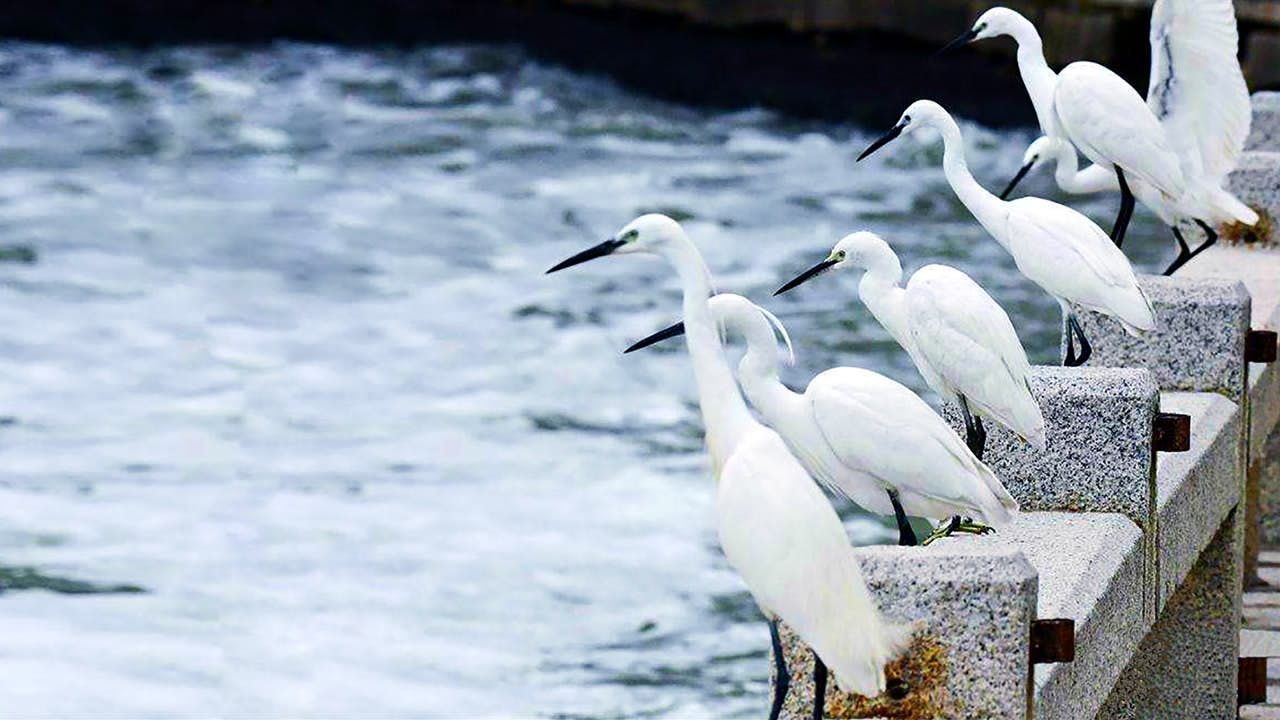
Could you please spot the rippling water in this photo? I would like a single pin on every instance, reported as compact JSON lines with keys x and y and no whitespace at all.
{"x":294,"y":424}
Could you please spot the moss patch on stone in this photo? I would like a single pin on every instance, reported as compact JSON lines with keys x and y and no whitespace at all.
{"x":1260,"y":235}
{"x":921,"y":672}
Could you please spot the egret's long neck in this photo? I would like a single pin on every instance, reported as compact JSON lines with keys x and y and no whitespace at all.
{"x":1065,"y":173}
{"x":724,"y":414}
{"x":758,"y":370}
{"x":880,"y":292}
{"x":1036,"y":74}
{"x":989,"y":210}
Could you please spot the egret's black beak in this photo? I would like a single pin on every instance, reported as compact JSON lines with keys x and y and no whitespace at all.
{"x":964,"y":39}
{"x":884,"y":140}
{"x":807,"y":275}
{"x":1017,"y":179}
{"x":591,"y":253}
{"x":674,"y":331}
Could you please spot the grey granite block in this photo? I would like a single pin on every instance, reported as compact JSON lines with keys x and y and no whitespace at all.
{"x":1259,"y":270}
{"x":1186,"y":666}
{"x":1264,"y":133}
{"x":1090,"y":568}
{"x":1098,"y":454}
{"x":1198,"y":344}
{"x":1256,"y":182}
{"x":1197,"y":489}
{"x":971,"y":657}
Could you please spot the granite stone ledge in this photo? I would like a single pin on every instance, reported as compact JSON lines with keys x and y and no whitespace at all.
{"x":975,"y":603}
{"x":1090,"y":567}
{"x":1186,"y":665}
{"x":1197,"y":489}
{"x":1259,"y":270}
{"x":1264,"y":132}
{"x":1199,"y":341}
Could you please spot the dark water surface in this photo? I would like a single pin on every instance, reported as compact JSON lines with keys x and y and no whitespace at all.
{"x":286,"y":361}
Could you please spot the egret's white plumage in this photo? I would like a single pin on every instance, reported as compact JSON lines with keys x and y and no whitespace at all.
{"x":1195,"y":130}
{"x":863,"y":434}
{"x":776,"y":527}
{"x":960,"y":339}
{"x":1097,"y":111}
{"x":1059,"y":249}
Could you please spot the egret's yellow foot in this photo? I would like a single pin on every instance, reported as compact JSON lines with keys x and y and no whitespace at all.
{"x":958,"y":524}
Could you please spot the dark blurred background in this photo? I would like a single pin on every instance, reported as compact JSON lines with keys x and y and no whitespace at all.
{"x":830,"y":59}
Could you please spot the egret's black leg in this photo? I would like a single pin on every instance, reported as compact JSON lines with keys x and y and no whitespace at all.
{"x":1071,"y":345}
{"x":1184,"y":253}
{"x":783,"y":681}
{"x":1126,"y":209}
{"x":1085,"y":348}
{"x":1210,"y":237}
{"x":975,"y":436}
{"x":819,"y":687}
{"x":906,"y":536}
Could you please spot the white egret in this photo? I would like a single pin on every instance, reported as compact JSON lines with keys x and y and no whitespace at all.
{"x":1097,"y":111}
{"x":776,"y":527}
{"x":1198,"y":92}
{"x":868,"y":438}
{"x":959,"y":338}
{"x":1057,"y":248}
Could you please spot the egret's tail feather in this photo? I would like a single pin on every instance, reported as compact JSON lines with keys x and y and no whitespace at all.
{"x":998,"y":507}
{"x":897,"y":638}
{"x":1231,"y":209}
{"x":1135,"y":313}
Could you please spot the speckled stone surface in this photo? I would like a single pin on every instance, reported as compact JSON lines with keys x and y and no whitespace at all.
{"x":1197,"y":489}
{"x":1259,"y":270}
{"x":1098,"y":453}
{"x":1090,"y":570}
{"x":1256,"y":182}
{"x":1098,"y":456}
{"x":1198,"y":344}
{"x":1186,"y":666}
{"x":1265,"y":473}
{"x":1264,"y":133}
{"x":976,"y":602}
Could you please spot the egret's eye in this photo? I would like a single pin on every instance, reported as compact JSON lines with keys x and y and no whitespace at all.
{"x":1035,"y":159}
{"x":906,"y":119}
{"x":839,"y":256}
{"x":979,"y":27}
{"x":630,"y":236}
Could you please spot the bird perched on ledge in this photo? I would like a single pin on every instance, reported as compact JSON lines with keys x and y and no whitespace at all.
{"x":959,"y":338}
{"x":776,"y":527}
{"x":1057,"y":248}
{"x":1197,"y":98}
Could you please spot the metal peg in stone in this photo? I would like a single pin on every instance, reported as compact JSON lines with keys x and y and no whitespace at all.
{"x":1171,"y":432}
{"x":1199,"y":344}
{"x":1053,"y":641}
{"x":1260,"y":346}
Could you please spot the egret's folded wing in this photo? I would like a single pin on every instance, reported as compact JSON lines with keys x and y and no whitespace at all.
{"x":968,"y":327}
{"x":875,"y":423}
